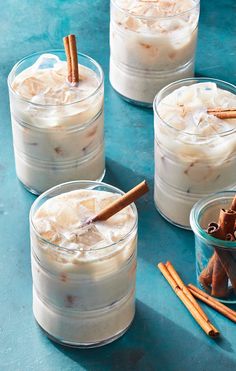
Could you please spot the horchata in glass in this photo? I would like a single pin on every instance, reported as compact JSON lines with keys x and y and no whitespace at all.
{"x":152,"y":43}
{"x":195,"y":148}
{"x":83,"y":275}
{"x":58,"y":132}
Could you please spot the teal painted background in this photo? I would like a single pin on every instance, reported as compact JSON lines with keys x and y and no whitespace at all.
{"x":163,"y":336}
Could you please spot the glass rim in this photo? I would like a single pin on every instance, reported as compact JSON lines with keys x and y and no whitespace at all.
{"x":89,"y":182}
{"x":51,"y":51}
{"x":126,"y":11}
{"x":194,"y":80}
{"x":196,"y":227}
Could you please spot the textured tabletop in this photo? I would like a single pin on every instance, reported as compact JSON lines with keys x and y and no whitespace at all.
{"x":163,"y":336}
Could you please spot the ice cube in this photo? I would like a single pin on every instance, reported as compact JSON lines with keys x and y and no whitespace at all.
{"x":46,"y":61}
{"x":66,"y":216}
{"x":88,"y":236}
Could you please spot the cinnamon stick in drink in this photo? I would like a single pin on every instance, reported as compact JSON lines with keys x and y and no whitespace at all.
{"x":122,"y":202}
{"x":72,"y":59}
{"x":68,"y":57}
{"x":223,"y":113}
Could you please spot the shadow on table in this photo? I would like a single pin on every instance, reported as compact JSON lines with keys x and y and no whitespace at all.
{"x":154,"y":343}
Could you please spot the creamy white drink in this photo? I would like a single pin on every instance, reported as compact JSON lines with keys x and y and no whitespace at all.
{"x":83,"y":277}
{"x":152,"y":43}
{"x":57,"y":126}
{"x":195,"y":152}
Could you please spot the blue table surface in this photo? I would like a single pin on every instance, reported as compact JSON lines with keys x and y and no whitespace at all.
{"x":163,"y":336}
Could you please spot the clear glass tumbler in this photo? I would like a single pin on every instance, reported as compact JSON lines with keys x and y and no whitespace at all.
{"x":189,"y":166}
{"x":211,"y":251}
{"x":83,"y":303}
{"x":57,"y":143}
{"x":149,"y":51}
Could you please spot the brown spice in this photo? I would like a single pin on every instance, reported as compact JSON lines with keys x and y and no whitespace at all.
{"x":122,"y":202}
{"x":223,"y":113}
{"x":72,"y":59}
{"x":190,"y":304}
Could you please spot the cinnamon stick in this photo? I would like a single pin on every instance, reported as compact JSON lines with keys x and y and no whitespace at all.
{"x":219,"y":279}
{"x":68,"y":57}
{"x":223,"y":113}
{"x":72,"y":59}
{"x":121,"y":202}
{"x":227,"y":220}
{"x":186,"y":291}
{"x":205,"y":325}
{"x":221,"y":308}
{"x":205,"y":278}
{"x":233,"y":205}
{"x":222,"y":265}
{"x":229,"y":237}
{"x":219,"y":276}
{"x":229,"y":265}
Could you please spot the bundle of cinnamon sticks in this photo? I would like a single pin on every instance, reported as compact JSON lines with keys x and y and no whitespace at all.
{"x":187,"y":295}
{"x":187,"y":298}
{"x":221,"y":267}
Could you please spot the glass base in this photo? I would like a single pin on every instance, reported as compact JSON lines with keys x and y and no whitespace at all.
{"x":186,"y":227}
{"x":86,"y":345}
{"x":37,"y":193}
{"x":134,"y":102}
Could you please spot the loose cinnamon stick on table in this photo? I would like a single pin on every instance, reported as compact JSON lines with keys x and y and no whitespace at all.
{"x":72,"y":59}
{"x":223,"y":113}
{"x":186,"y":291}
{"x":202,"y":320}
{"x":221,"y":308}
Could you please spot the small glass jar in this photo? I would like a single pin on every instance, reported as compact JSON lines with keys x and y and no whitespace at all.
{"x":204,"y":212}
{"x":189,"y":166}
{"x":148,"y":52}
{"x":77,"y":302}
{"x":57,"y":143}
